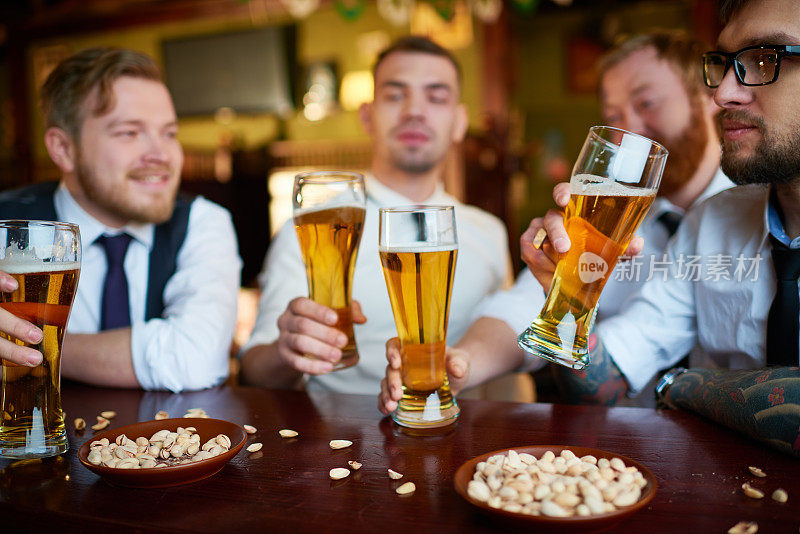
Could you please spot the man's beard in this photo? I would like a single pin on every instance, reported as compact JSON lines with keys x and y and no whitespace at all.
{"x":686,"y":152}
{"x":775,"y":159}
{"x":117,"y":202}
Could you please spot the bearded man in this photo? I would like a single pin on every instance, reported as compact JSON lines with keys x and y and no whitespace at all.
{"x":746,"y":318}
{"x":156,"y":302}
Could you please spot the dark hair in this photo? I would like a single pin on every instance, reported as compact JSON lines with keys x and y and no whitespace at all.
{"x":729,"y":8}
{"x":677,"y":47}
{"x":420,"y":45}
{"x":66,"y":89}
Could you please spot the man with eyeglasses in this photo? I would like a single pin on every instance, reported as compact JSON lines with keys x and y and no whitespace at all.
{"x":743,"y":309}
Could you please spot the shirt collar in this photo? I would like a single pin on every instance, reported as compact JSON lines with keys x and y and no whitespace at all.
{"x":774,"y":224}
{"x":385,"y":196}
{"x":719,"y":182}
{"x":68,"y":209}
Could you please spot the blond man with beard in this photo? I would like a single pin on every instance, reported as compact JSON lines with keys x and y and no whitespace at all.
{"x":156,"y":301}
{"x":649,"y":84}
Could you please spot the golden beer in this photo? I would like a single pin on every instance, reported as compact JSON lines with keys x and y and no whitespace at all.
{"x":600,"y":220}
{"x":329,"y":240}
{"x":30,"y":399}
{"x":613,"y":183}
{"x":420,"y":283}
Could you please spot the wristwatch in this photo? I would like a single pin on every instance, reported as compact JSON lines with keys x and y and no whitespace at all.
{"x":663,"y":385}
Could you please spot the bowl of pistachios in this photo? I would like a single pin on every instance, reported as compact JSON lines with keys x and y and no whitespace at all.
{"x":161,"y":453}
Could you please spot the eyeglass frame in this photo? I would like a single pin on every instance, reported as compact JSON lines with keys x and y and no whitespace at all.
{"x":730,"y":59}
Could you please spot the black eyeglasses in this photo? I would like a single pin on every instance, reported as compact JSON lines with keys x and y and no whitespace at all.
{"x":753,"y":65}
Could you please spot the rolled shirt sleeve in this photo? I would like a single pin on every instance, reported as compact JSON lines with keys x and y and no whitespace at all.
{"x":188,"y":348}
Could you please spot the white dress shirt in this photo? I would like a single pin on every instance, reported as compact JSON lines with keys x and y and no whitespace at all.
{"x":521,"y":304}
{"x":481,"y":268}
{"x":722,"y":305}
{"x":188,"y":347}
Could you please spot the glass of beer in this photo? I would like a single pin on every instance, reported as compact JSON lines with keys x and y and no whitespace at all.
{"x":45,"y":259}
{"x":612,"y":186}
{"x":418,"y":248}
{"x":329,"y":208}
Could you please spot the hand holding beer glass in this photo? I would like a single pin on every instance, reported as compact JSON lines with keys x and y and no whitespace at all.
{"x":44,"y":258}
{"x":329,"y":209}
{"x":418,"y":248}
{"x":614,"y":182}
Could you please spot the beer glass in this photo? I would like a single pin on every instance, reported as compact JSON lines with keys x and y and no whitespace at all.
{"x":418,"y":248}
{"x":329,"y":208}
{"x":45,"y":259}
{"x":613,"y":183}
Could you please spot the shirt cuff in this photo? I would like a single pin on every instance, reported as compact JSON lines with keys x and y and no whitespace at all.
{"x":637,"y":373}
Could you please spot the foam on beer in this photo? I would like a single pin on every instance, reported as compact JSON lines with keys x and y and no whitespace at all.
{"x":16,"y":261}
{"x":592,"y":185}
{"x":421,"y":247}
{"x":38,"y":267}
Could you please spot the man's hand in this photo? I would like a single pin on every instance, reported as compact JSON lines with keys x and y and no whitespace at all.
{"x":18,"y":328}
{"x":307,"y":328}
{"x":456,"y":363}
{"x":546,"y":238}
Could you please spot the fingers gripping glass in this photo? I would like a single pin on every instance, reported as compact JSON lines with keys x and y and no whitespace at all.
{"x":754,"y":65}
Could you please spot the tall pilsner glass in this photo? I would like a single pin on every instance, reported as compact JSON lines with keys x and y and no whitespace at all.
{"x":613,"y":184}
{"x":45,"y":259}
{"x":418,"y":248}
{"x":329,"y":208}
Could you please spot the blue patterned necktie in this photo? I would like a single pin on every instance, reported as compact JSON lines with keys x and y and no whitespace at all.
{"x":115,"y":311}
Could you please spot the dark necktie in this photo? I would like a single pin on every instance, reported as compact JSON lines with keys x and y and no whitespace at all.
{"x":671,"y":221}
{"x":114,"y":311}
{"x":782,"y":323}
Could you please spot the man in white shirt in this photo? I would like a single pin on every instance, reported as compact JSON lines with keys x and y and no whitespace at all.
{"x":742,"y":306}
{"x":156,"y":301}
{"x":649,"y":84}
{"x":414,"y":120}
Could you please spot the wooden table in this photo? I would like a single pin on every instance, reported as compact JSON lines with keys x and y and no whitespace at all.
{"x":699,"y":466}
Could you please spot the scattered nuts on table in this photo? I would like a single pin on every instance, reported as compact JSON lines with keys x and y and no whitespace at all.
{"x":355,"y":466}
{"x":757,"y":472}
{"x":286,"y":433}
{"x":744,"y":527}
{"x":340,"y":444}
{"x":780,"y":495}
{"x":254,"y":447}
{"x":196,"y":412}
{"x":555,"y":486}
{"x":406,"y":489}
{"x":80,"y":424}
{"x":752,"y":492}
{"x":101,"y":423}
{"x":110,"y":414}
{"x":161,"y":415}
{"x":164,"y":448}
{"x":249,"y":429}
{"x":338,"y":473}
{"x":394,"y":475}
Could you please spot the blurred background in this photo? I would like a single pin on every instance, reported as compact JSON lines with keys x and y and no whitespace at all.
{"x":264,"y":88}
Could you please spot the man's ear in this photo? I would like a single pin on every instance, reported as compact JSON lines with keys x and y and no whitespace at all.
{"x":460,"y":124}
{"x":61,"y":148}
{"x":365,"y":114}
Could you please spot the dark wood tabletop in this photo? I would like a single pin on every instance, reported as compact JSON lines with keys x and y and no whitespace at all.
{"x":700,"y":468}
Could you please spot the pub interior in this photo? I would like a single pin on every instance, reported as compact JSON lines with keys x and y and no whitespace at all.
{"x":266,"y":89}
